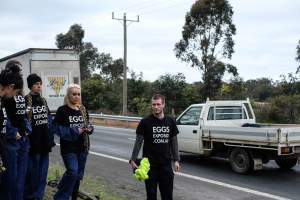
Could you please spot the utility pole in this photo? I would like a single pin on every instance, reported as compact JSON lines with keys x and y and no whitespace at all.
{"x":125,"y":59}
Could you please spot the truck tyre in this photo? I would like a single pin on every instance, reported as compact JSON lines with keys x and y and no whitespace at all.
{"x":240,"y":161}
{"x":285,"y":163}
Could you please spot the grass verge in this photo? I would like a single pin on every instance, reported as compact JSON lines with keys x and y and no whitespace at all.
{"x":91,"y":185}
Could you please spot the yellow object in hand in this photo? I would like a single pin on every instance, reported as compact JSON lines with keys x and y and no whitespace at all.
{"x":141,"y":173}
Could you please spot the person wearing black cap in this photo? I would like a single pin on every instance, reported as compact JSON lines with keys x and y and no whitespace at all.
{"x":41,"y":139}
{"x":17,"y":146}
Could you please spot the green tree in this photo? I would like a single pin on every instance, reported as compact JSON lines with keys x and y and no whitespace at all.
{"x":234,"y":90}
{"x":192,"y":94}
{"x":112,"y":97}
{"x":260,"y":89}
{"x":208,"y":32}
{"x":289,"y":85}
{"x":142,"y":106}
{"x":172,"y":87}
{"x":90,"y":59}
{"x":139,"y":94}
{"x":285,"y":109}
{"x":73,"y":39}
{"x":92,"y":93}
{"x":113,"y":69}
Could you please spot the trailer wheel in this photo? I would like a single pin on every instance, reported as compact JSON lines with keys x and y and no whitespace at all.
{"x":285,"y":163}
{"x":240,"y":161}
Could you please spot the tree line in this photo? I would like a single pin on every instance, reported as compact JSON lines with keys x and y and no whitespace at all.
{"x":207,"y":44}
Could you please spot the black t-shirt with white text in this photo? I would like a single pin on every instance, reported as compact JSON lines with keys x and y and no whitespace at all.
{"x":68,"y":117}
{"x":3,"y":119}
{"x":157,"y":138}
{"x":40,"y":140}
{"x":16,"y":112}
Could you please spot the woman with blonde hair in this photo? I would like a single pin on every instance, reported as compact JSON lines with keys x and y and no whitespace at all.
{"x":73,"y":127}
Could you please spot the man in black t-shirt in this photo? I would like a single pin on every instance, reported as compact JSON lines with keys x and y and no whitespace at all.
{"x":159,"y":134}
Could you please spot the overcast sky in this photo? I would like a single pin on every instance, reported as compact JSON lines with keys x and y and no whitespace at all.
{"x":265,"y":43}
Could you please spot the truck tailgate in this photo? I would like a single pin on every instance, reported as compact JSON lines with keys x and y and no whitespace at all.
{"x":290,"y":136}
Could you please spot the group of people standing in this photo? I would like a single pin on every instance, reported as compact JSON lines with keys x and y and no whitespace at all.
{"x":27,"y":137}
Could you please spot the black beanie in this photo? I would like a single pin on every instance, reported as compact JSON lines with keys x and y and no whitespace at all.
{"x":32,"y":79}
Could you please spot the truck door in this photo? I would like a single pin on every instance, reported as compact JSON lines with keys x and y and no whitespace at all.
{"x":189,"y":130}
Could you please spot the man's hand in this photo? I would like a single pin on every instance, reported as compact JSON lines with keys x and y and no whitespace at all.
{"x":177,"y":166}
{"x":133,"y":164}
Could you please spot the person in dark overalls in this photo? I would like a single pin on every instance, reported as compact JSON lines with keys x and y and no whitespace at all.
{"x":3,"y":121}
{"x":17,"y":143}
{"x":7,"y":90}
{"x":41,"y":140}
{"x":159,"y":134}
{"x":73,"y":128}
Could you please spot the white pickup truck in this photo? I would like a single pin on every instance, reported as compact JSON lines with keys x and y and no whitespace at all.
{"x":228,"y":129}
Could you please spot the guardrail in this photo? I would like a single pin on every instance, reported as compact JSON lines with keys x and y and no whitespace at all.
{"x":115,"y":117}
{"x":137,"y":119}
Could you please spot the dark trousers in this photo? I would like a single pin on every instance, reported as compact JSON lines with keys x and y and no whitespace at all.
{"x":15,"y":161}
{"x":161,"y":176}
{"x":69,"y":184}
{"x":36,"y":176}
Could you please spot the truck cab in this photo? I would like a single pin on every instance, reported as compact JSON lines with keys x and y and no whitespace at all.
{"x":211,"y":113}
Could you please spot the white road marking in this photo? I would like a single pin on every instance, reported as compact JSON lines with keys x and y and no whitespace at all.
{"x":226,"y":185}
{"x":108,"y":156}
{"x":268,"y":195}
{"x":133,"y":139}
{"x":263,"y":194}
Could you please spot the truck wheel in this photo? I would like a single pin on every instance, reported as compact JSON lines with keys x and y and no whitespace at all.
{"x":285,"y":163}
{"x":240,"y":161}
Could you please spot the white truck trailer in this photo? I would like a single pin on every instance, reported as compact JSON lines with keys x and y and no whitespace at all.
{"x":228,"y":129}
{"x":57,"y":68}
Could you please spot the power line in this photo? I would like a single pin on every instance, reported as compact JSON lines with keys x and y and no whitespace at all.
{"x":135,"y":6}
{"x":162,"y":8}
{"x":151,"y":4}
{"x":145,"y":2}
{"x":125,"y":20}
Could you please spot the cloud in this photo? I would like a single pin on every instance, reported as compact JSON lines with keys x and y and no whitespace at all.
{"x":267,"y":32}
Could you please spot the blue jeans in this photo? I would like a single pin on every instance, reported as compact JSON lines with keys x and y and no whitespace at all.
{"x":74,"y":164}
{"x":36,"y":176}
{"x":15,"y":161}
{"x":22,"y":166}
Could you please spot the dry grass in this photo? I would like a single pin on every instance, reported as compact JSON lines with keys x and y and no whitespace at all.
{"x":115,"y":123}
{"x":91,"y":185}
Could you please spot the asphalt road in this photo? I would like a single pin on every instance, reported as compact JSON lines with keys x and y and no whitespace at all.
{"x":200,"y":178}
